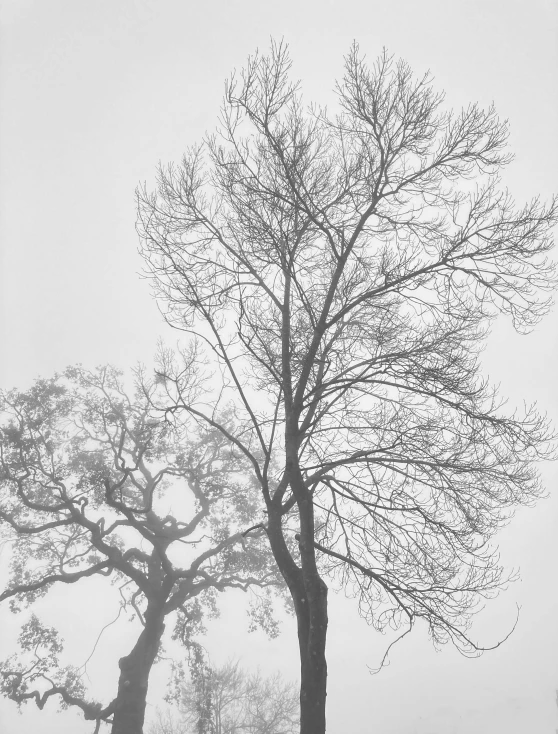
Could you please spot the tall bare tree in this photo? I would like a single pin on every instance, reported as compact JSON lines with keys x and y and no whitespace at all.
{"x":88,"y":475}
{"x":340,"y":273}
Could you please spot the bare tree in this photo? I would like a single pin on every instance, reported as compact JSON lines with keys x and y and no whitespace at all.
{"x":166,"y":723}
{"x":228,"y":700}
{"x":341,"y":272}
{"x":87,"y":475}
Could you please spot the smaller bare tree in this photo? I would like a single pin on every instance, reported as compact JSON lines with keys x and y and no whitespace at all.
{"x":166,"y":722}
{"x":230,"y":700}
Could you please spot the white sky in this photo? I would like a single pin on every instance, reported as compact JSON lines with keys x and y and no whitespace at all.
{"x":92,"y":96}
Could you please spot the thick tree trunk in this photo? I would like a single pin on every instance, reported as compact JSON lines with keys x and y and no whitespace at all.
{"x":309,"y":594}
{"x":313,"y":667}
{"x":312,"y":633}
{"x":130,"y":702}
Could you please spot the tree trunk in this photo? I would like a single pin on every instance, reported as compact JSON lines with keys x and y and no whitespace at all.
{"x":130,"y":702}
{"x":312,"y":633}
{"x":313,"y":667}
{"x":309,"y":594}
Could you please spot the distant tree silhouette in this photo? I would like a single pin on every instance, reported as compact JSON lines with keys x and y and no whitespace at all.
{"x":229,"y":700}
{"x":87,"y":472}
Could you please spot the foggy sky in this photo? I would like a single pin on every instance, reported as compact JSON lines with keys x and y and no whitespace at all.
{"x":92,"y":96}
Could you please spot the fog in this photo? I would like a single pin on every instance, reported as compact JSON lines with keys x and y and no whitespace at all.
{"x":92,"y":96}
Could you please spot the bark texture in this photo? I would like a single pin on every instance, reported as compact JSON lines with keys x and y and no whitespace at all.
{"x":129,"y":713}
{"x":309,"y":594}
{"x":312,"y":632}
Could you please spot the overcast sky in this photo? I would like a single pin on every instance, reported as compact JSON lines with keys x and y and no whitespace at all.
{"x":92,"y":96}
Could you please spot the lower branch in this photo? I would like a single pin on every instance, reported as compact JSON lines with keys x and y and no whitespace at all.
{"x":91,"y":711}
{"x":66,"y":578}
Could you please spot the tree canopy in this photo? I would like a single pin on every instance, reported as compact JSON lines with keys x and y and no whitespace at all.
{"x":89,"y":476}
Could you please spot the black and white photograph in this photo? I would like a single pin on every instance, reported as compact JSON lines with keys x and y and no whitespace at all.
{"x":278,"y":357}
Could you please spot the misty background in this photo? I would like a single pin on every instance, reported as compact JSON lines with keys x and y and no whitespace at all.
{"x":92,"y":96}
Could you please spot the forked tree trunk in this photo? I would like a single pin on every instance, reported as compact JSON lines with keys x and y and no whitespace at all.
{"x":131,"y":700}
